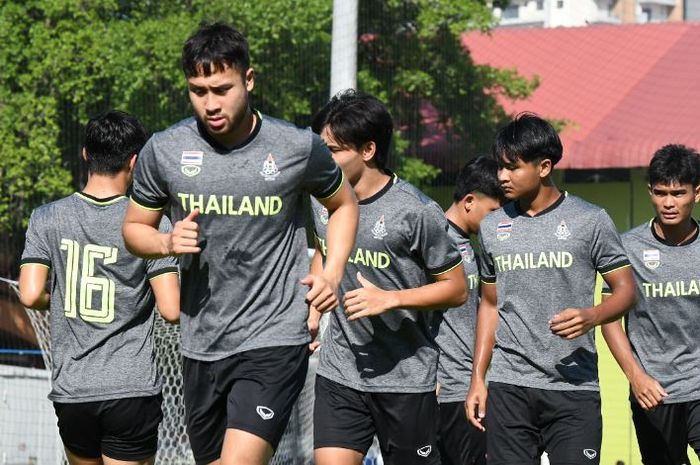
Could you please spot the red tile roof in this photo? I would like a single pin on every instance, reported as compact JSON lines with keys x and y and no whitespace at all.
{"x":626,"y":89}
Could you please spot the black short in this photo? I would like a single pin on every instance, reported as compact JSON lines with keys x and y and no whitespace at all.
{"x":252,"y":391}
{"x":665,"y":432}
{"x":521,"y":422}
{"x":460,"y":443}
{"x":121,"y":429}
{"x":405,"y":424}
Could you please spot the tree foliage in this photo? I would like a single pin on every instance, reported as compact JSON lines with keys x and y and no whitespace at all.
{"x":65,"y":60}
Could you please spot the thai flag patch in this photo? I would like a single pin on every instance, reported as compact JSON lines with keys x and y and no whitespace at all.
{"x":504,"y":226}
{"x":192,"y":157}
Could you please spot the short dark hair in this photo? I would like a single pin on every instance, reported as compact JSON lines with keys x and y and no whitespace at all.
{"x":355,"y":118}
{"x":111,"y":138}
{"x":675,"y":163}
{"x":212,"y":48}
{"x":479,"y":174}
{"x":528,"y":138}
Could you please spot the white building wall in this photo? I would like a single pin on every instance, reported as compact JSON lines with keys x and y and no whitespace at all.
{"x":555,"y":13}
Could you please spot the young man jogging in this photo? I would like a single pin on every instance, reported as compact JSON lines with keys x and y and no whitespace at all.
{"x":236,"y":182}
{"x":541,"y":253}
{"x":477,"y":193}
{"x":105,"y":385}
{"x":376,"y":373}
{"x":660,"y":354}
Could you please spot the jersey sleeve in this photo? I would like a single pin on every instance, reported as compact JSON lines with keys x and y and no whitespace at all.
{"x":36,"y":249}
{"x":322,"y":177}
{"x":149,"y":188}
{"x":163,"y":265}
{"x":431,"y":241}
{"x":486,"y":268}
{"x":607,"y":251}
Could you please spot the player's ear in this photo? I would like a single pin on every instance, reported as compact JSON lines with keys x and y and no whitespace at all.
{"x":132,"y":163}
{"x":697,"y":193}
{"x":83,"y":153}
{"x":249,"y":77}
{"x":368,"y":151}
{"x":468,"y":202}
{"x":545,"y":167}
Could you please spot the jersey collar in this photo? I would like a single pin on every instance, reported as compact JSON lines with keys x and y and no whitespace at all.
{"x":692,"y":239}
{"x":393,"y":179}
{"x":211,"y":141}
{"x":98,"y":201}
{"x":459,"y":230}
{"x":558,"y":202}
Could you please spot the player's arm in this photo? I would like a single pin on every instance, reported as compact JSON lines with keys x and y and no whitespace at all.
{"x":486,"y":323}
{"x":32,"y":286}
{"x":648,"y":391}
{"x":166,"y":288}
{"x":448,"y":290}
{"x":314,"y":319}
{"x":143,"y":238}
{"x":343,"y":215}
{"x":575,"y":322}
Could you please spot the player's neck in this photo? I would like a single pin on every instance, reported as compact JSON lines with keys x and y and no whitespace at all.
{"x":676,"y":234}
{"x":542,"y":199}
{"x":454,"y":214}
{"x":102,"y":186}
{"x":238,"y":134}
{"x":372,"y":181}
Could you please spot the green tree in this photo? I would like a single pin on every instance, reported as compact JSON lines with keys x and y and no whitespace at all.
{"x":412,"y":56}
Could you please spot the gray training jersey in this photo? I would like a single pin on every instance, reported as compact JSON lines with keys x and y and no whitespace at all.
{"x":101,"y":301}
{"x":456,"y":328}
{"x":401,"y":243}
{"x":243,"y":290}
{"x":542,"y":265}
{"x":664,"y":325}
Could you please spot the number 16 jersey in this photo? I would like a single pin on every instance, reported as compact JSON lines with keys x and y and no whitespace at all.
{"x":101,"y":300}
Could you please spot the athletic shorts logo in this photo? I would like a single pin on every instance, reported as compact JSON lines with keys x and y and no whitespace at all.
{"x":379,"y":229}
{"x":264,"y":412}
{"x":424,"y":451}
{"x":563,"y":232}
{"x":323,"y":215}
{"x":503,"y":230}
{"x":269,"y":170}
{"x":652,"y":258}
{"x":590,"y":453}
{"x":191,"y":162}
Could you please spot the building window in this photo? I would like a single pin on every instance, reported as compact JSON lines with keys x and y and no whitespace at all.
{"x":560,"y":3}
{"x":512,"y":12}
{"x":646,"y":15}
{"x":540,"y":4}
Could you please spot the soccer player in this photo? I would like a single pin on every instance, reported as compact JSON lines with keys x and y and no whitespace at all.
{"x":378,"y":361}
{"x":105,"y":385}
{"x":660,"y":354}
{"x":477,"y":193}
{"x":540,"y":254}
{"x":236,"y":182}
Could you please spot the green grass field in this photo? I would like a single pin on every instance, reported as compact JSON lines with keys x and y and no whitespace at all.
{"x":628,"y":205}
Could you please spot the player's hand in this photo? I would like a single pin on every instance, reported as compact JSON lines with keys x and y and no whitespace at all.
{"x":313,"y":322}
{"x":185,"y":235}
{"x":368,"y":300}
{"x":647,"y":390}
{"x":573,"y":322}
{"x":476,"y":404}
{"x":321,"y":295}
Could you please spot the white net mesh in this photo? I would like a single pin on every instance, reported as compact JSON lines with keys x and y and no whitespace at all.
{"x":295,"y":448}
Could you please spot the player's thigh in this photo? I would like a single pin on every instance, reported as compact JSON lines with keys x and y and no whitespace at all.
{"x":512,"y":435}
{"x":244,"y":448}
{"x":342,"y":422}
{"x":460,"y":443}
{"x":693,"y":422}
{"x":572,"y":426}
{"x":205,"y":391}
{"x":407,"y":427}
{"x":661,"y":434}
{"x":80,"y":431}
{"x":110,"y":461}
{"x":76,"y":460}
{"x":267,"y":385}
{"x":130,"y":428}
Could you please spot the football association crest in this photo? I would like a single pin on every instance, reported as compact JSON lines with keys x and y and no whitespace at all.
{"x":191,"y":162}
{"x":269,"y":169}
{"x":466,"y":252}
{"x":651,"y":258}
{"x":323,"y":215}
{"x":379,"y":229}
{"x":563,"y":232}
